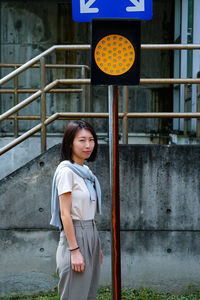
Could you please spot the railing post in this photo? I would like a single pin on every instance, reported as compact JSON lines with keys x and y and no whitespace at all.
{"x":185,"y":108}
{"x":43,"y":105}
{"x":83,"y":108}
{"x":198,"y":105}
{"x":89,"y":96}
{"x":125,"y":118}
{"x":15,"y":103}
{"x":198,"y":110}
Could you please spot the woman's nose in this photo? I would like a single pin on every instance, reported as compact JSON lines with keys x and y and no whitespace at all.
{"x":87,"y":144}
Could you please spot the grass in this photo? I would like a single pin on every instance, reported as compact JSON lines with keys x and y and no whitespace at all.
{"x":106,"y":294}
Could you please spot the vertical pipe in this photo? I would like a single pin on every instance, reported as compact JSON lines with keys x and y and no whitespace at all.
{"x":83,"y":102}
{"x":198,"y":106}
{"x":195,"y":61}
{"x":125,"y":118}
{"x":15,"y":103}
{"x":43,"y":105}
{"x":89,"y":94}
{"x":184,"y":61}
{"x":114,"y":188}
{"x":177,"y":60}
{"x":89,"y":99}
{"x":186,"y":108}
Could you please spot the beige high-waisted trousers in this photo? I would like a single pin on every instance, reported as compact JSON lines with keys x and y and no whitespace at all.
{"x":75,"y":285}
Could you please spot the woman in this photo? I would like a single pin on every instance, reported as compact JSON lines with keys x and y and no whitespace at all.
{"x":76,"y":195}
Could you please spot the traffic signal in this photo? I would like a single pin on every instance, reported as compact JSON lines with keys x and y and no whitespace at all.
{"x":115,"y":52}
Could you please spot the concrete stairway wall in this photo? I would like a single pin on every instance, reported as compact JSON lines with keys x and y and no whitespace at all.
{"x":160,"y":220}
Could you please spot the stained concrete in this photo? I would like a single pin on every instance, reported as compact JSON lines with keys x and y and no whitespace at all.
{"x":162,"y":180}
{"x":160,"y":231}
{"x":27,"y":261}
{"x":22,"y":153}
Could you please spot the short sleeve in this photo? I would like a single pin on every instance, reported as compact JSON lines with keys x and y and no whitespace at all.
{"x":64,"y":181}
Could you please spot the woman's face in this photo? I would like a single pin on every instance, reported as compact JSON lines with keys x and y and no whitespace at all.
{"x":83,"y":145}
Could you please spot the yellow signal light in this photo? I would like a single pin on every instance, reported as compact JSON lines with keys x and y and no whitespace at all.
{"x":114,"y":54}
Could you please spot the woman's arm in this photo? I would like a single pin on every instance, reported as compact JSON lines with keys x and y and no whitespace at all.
{"x":77,"y":259}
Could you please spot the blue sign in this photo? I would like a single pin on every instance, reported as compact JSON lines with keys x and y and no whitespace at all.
{"x":86,"y":10}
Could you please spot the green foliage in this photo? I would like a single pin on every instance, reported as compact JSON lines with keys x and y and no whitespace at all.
{"x":106,"y":294}
{"x":145,"y":294}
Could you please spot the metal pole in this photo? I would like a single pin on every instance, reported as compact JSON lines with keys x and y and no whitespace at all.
{"x":15,"y":103}
{"x":198,"y":106}
{"x":114,"y":189}
{"x":83,"y":99}
{"x":125,"y":118}
{"x":43,"y":105}
{"x":186,"y":109}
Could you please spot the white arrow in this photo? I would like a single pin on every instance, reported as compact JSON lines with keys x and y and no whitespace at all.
{"x":85,"y":7}
{"x":139,"y":6}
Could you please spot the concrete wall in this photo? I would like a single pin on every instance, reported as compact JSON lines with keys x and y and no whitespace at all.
{"x":160,"y":220}
{"x":28,"y":28}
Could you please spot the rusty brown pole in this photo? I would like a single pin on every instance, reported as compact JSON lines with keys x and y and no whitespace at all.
{"x":114,"y":189}
{"x":43,"y":106}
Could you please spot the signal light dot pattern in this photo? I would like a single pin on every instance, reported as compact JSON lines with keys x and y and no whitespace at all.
{"x":114,"y":54}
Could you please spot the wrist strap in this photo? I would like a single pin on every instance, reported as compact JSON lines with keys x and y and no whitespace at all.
{"x":73,"y":249}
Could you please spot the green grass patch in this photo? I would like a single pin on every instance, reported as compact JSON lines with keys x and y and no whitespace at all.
{"x":106,"y":294}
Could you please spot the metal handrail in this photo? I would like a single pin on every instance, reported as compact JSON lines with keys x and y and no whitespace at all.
{"x":36,"y":59}
{"x":87,"y":47}
{"x":47,"y":88}
{"x":142,"y":81}
{"x":72,"y":116}
{"x":17,"y":91}
{"x":26,"y":91}
{"x":48,"y":66}
{"x":54,"y":83}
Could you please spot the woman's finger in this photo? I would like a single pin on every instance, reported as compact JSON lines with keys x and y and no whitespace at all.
{"x":77,"y":268}
{"x":82,"y":267}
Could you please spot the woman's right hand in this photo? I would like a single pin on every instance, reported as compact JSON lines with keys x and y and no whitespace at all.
{"x":77,"y":261}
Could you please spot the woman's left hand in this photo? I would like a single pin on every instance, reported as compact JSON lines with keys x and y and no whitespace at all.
{"x":101,"y":257}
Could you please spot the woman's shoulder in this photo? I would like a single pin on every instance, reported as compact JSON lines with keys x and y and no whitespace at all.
{"x":63,"y":168}
{"x":85,"y":166}
{"x":64,"y":175}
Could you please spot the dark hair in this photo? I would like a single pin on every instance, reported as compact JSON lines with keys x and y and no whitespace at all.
{"x":70,"y":131}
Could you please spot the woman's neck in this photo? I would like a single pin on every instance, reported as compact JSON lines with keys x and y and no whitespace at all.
{"x":78,"y":161}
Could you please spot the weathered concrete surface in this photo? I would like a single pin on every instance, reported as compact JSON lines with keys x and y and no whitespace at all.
{"x":160,"y":223}
{"x":161,"y":260}
{"x":22,"y":153}
{"x":159,"y":189}
{"x":167,"y":261}
{"x":27,"y":261}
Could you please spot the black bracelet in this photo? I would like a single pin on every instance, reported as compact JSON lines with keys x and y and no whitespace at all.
{"x":74,"y":249}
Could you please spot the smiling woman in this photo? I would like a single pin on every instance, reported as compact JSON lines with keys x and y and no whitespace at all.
{"x":76,"y":194}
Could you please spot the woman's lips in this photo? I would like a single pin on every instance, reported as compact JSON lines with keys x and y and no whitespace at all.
{"x":87,"y":152}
